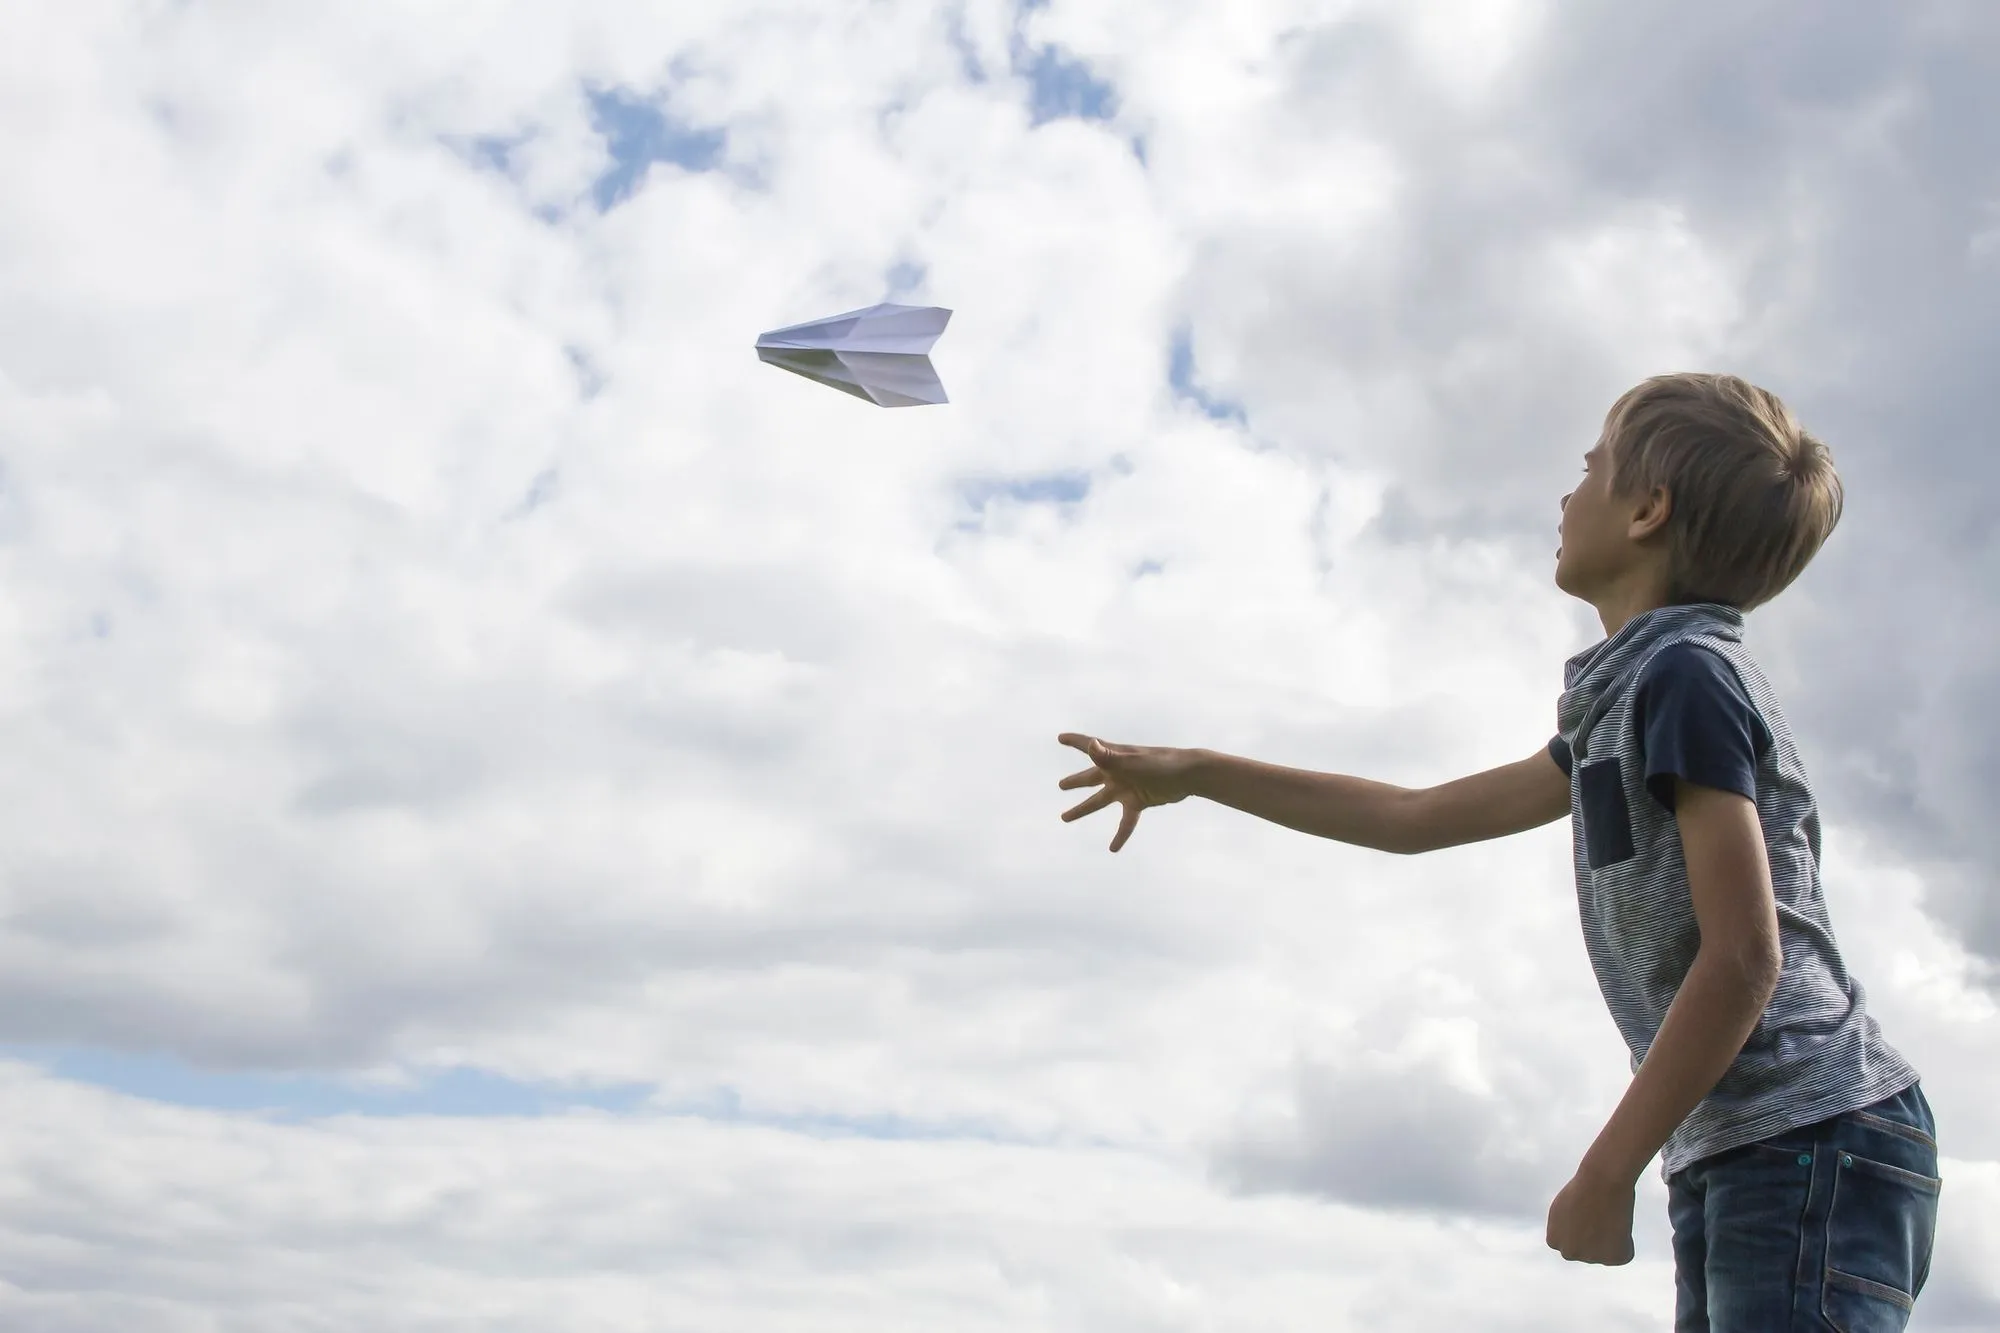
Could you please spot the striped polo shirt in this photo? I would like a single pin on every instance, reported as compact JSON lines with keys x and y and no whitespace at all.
{"x":1675,"y":694}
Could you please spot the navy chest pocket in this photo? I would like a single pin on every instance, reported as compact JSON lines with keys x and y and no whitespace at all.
{"x":1607,"y":821}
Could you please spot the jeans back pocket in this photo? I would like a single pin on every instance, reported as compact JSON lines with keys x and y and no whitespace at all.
{"x":1878,"y":1244}
{"x":1607,"y":820}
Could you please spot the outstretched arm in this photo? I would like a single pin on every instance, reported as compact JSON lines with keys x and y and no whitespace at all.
{"x":1509,"y":799}
{"x":1500,"y":801}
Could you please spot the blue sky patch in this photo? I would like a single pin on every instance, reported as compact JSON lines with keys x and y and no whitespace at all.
{"x":453,"y":1092}
{"x":1181,"y":378}
{"x":726,"y":1105}
{"x":295,"y":1098}
{"x":493,"y":151}
{"x":541,"y":490}
{"x":639,"y":132}
{"x":1048,"y":488}
{"x":904,"y":278}
{"x":589,"y":378}
{"x":968,"y":55}
{"x":1061,"y":87}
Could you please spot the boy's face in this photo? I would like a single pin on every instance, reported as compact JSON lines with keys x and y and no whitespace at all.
{"x":1597,"y":548}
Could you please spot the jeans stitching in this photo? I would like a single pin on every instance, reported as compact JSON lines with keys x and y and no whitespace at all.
{"x":1879,"y":1290}
{"x":1910,"y":1132}
{"x":1908,"y":1179}
{"x":1802,"y":1270}
{"x":1826,"y":1251}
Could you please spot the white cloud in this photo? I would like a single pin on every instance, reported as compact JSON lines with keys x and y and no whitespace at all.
{"x":727,"y":764}
{"x":190,"y":1220}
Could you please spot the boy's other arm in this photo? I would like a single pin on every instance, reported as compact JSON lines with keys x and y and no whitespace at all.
{"x":1510,"y":799}
{"x":1732,"y":979}
{"x":1733,"y":976}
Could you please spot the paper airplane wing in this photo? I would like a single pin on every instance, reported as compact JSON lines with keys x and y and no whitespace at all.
{"x":881,"y":353}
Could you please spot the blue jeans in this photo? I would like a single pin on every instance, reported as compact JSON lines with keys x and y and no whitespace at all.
{"x":1823,"y":1228}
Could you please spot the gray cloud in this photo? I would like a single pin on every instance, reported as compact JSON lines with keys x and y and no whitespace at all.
{"x":1399,"y":1139}
{"x":1836,"y":180}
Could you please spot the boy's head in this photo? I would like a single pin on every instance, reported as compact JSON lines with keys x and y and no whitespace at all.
{"x":1702,"y":488}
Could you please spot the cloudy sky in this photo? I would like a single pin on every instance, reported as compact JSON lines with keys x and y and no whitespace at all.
{"x":516,"y":815}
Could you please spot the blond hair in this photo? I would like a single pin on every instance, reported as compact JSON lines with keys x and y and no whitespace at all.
{"x":1754,"y":495}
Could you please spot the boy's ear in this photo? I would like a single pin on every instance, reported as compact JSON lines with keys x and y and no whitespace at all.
{"x":1649,"y":518}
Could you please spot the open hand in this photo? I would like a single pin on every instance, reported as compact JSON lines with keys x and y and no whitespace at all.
{"x":1591,"y":1220}
{"x":1135,"y":776}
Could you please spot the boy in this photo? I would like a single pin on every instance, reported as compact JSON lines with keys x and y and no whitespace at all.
{"x":1799,"y":1152}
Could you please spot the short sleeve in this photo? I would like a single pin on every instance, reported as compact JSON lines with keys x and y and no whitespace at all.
{"x":1559,"y":751}
{"x":1697,"y":724}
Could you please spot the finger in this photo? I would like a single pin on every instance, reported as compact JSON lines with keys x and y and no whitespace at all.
{"x":1097,"y":749}
{"x":1089,"y":777}
{"x":1089,"y":806}
{"x":1129,"y":822}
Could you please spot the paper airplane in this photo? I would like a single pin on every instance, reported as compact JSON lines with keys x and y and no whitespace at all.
{"x":881,"y":353}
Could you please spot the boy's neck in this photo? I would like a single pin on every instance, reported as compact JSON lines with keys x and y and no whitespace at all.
{"x":1643,"y":590}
